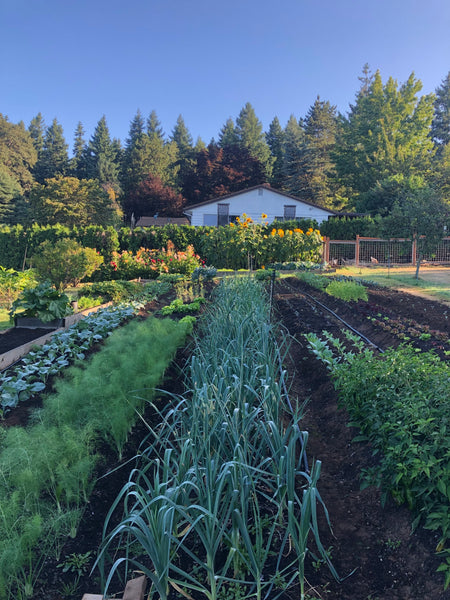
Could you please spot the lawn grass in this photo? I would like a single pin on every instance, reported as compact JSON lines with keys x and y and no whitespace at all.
{"x":432,"y":282}
{"x":5,"y":322}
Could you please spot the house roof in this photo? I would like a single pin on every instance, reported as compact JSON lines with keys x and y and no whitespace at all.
{"x":256,"y":187}
{"x":160,"y":221}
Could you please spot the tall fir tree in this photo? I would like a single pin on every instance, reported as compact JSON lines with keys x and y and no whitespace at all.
{"x":154,"y":126}
{"x":250,"y":134}
{"x":275,"y":141}
{"x":440,"y":127}
{"x":101,"y":156}
{"x":185,"y":163}
{"x":53,"y":161}
{"x":385,"y":134}
{"x":37,"y":132}
{"x":320,"y":139}
{"x":228,"y":135}
{"x":294,"y":158}
{"x":78,"y":167}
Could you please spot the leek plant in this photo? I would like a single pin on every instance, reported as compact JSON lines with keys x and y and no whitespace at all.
{"x":220,"y":486}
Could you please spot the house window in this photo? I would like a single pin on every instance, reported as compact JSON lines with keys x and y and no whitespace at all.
{"x":222,"y":214}
{"x":289,"y":212}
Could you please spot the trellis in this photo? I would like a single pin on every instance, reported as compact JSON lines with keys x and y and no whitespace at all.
{"x":371,"y":250}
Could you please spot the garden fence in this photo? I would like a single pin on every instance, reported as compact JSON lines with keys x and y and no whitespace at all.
{"x":370,"y":250}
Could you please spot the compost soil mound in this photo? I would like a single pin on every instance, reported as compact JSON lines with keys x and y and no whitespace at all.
{"x":372,"y":547}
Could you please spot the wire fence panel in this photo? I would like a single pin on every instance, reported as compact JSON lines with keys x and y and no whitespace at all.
{"x":366,"y":251}
{"x":378,"y":251}
{"x":441,"y":254}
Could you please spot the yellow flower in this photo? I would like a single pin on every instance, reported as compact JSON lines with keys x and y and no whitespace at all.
{"x":263,"y":267}
{"x":245,"y":224}
{"x":244,"y":215}
{"x":281,"y":232}
{"x":298,"y":230}
{"x":308,"y":232}
{"x":273,"y":232}
{"x":264,"y":216}
{"x":231,"y":224}
{"x":290,"y":232}
{"x":238,"y":219}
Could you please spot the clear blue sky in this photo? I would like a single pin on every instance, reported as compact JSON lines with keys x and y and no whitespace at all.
{"x":77,"y":60}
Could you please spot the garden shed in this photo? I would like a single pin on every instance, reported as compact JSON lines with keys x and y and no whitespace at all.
{"x":254,"y":202}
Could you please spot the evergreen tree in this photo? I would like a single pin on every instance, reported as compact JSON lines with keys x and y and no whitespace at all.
{"x":154,"y":126}
{"x":294,"y":159}
{"x":228,"y":135}
{"x":37,"y":132}
{"x":183,"y":139}
{"x":135,"y":155}
{"x":53,"y":160}
{"x":78,"y":166}
{"x":17,"y":153}
{"x":250,"y":135}
{"x":440,"y":128}
{"x":320,"y":138}
{"x":275,"y":141}
{"x":185,"y":163}
{"x":10,"y":192}
{"x":101,"y":156}
{"x":385,"y":134}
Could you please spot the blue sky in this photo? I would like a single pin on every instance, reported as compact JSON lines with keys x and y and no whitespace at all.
{"x":81,"y":59}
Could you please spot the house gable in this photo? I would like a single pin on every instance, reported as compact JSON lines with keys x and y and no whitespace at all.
{"x":254,"y":202}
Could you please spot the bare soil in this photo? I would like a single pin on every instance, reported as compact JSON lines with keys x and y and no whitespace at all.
{"x":372,"y":548}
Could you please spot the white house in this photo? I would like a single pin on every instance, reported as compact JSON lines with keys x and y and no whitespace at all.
{"x":254,"y":202}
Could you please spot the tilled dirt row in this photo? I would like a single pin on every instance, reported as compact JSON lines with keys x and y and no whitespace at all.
{"x":372,"y":547}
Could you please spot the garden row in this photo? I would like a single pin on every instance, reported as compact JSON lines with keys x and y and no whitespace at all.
{"x":48,"y":468}
{"x":222,"y":503}
{"x":402,"y":410}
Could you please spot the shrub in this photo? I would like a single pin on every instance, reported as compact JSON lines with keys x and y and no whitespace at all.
{"x":66,"y":262}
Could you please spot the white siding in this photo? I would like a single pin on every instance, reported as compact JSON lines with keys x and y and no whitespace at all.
{"x":254,"y":204}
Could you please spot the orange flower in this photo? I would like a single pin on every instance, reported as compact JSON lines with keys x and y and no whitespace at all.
{"x":273,"y":232}
{"x":281,"y":232}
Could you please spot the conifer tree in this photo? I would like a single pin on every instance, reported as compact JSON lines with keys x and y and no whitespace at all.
{"x":53,"y":161}
{"x":78,"y":165}
{"x":154,"y":126}
{"x":385,"y":134}
{"x":101,"y":156}
{"x":275,"y":141}
{"x":250,"y":134}
{"x":294,"y":159}
{"x":440,"y":128}
{"x":37,"y":132}
{"x":320,"y":138}
{"x":17,"y":152}
{"x":228,"y":135}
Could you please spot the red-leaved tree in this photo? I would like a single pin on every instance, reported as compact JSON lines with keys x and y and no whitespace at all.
{"x":152,"y":197}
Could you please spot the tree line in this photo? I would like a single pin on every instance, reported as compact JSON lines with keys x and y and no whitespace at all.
{"x":392,"y":145}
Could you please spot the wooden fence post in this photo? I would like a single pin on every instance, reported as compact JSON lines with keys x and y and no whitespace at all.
{"x":357,"y":251}
{"x":326,"y":249}
{"x":414,"y":250}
